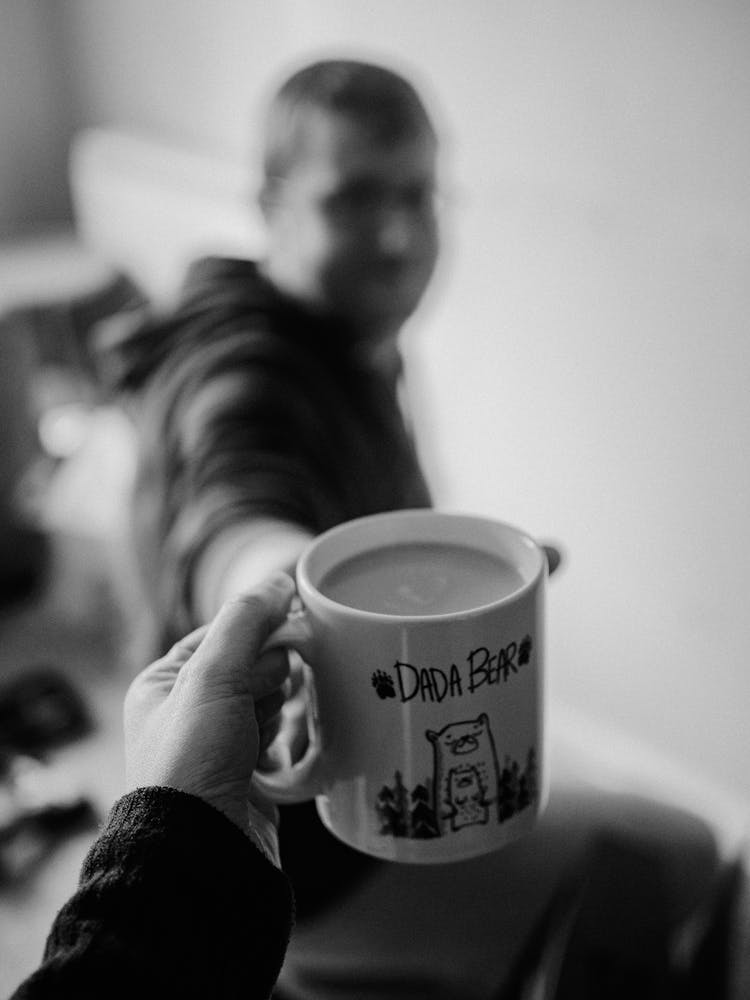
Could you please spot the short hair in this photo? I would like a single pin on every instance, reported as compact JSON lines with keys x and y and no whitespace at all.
{"x":379,"y":99}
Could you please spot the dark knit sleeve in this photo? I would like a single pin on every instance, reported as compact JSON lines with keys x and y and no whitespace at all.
{"x":173,"y":901}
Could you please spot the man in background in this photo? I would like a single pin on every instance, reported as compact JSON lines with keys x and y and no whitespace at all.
{"x":268,"y":411}
{"x":268,"y":403}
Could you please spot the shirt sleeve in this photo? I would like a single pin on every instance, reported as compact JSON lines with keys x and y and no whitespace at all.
{"x":229,"y":431}
{"x":173,"y":900}
{"x":239,"y":423}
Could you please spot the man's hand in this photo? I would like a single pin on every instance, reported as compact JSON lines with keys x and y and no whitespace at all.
{"x":198,"y":718}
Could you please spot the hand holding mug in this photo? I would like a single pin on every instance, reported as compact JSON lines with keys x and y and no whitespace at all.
{"x":198,"y":718}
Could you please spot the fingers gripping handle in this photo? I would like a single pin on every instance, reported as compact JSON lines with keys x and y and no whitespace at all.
{"x":294,"y":781}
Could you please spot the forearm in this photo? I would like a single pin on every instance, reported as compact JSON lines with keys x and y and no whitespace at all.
{"x":173,"y":900}
{"x":242,"y":556}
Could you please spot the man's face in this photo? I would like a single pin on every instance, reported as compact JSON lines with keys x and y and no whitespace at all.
{"x":353,"y":232}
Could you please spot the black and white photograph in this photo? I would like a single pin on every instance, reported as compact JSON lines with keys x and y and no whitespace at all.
{"x":374,"y":498}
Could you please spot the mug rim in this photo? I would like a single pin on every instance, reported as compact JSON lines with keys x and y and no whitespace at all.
{"x":306,"y":586}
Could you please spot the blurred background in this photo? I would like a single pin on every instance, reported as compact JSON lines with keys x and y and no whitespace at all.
{"x":581,"y":365}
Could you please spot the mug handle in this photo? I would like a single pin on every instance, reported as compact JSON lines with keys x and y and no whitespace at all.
{"x":301,"y":781}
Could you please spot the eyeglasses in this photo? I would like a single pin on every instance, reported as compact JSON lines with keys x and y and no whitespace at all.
{"x":367,"y":202}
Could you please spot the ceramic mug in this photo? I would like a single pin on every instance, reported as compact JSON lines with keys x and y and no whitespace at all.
{"x":427,"y":685}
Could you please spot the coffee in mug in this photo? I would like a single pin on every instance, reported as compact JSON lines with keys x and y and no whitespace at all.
{"x":420,"y":578}
{"x":423,"y":632}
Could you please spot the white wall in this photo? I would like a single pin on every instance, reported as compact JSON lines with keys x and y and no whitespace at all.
{"x":585,"y":357}
{"x":34,"y":119}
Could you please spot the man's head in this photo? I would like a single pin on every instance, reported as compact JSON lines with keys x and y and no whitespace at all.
{"x":348,"y":194}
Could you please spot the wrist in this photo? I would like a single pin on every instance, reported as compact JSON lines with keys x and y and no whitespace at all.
{"x":258,"y":822}
{"x":263,"y":832}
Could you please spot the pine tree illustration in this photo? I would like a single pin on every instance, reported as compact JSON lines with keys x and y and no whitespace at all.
{"x":384,"y":806}
{"x":422,"y":821}
{"x":508,"y":797}
{"x":515,"y":782}
{"x":400,"y":807}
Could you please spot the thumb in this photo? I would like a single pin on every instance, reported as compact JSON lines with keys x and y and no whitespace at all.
{"x":234,"y":640}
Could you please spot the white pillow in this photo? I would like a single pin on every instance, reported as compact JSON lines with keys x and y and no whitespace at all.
{"x":149,"y":208}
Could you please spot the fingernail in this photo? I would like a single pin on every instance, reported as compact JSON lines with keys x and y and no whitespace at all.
{"x":281,"y":581}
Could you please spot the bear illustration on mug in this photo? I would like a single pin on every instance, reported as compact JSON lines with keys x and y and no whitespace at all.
{"x":466,"y":772}
{"x":467,"y":788}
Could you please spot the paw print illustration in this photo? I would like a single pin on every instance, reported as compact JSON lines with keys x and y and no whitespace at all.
{"x":383,"y":684}
{"x":524,"y":651}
